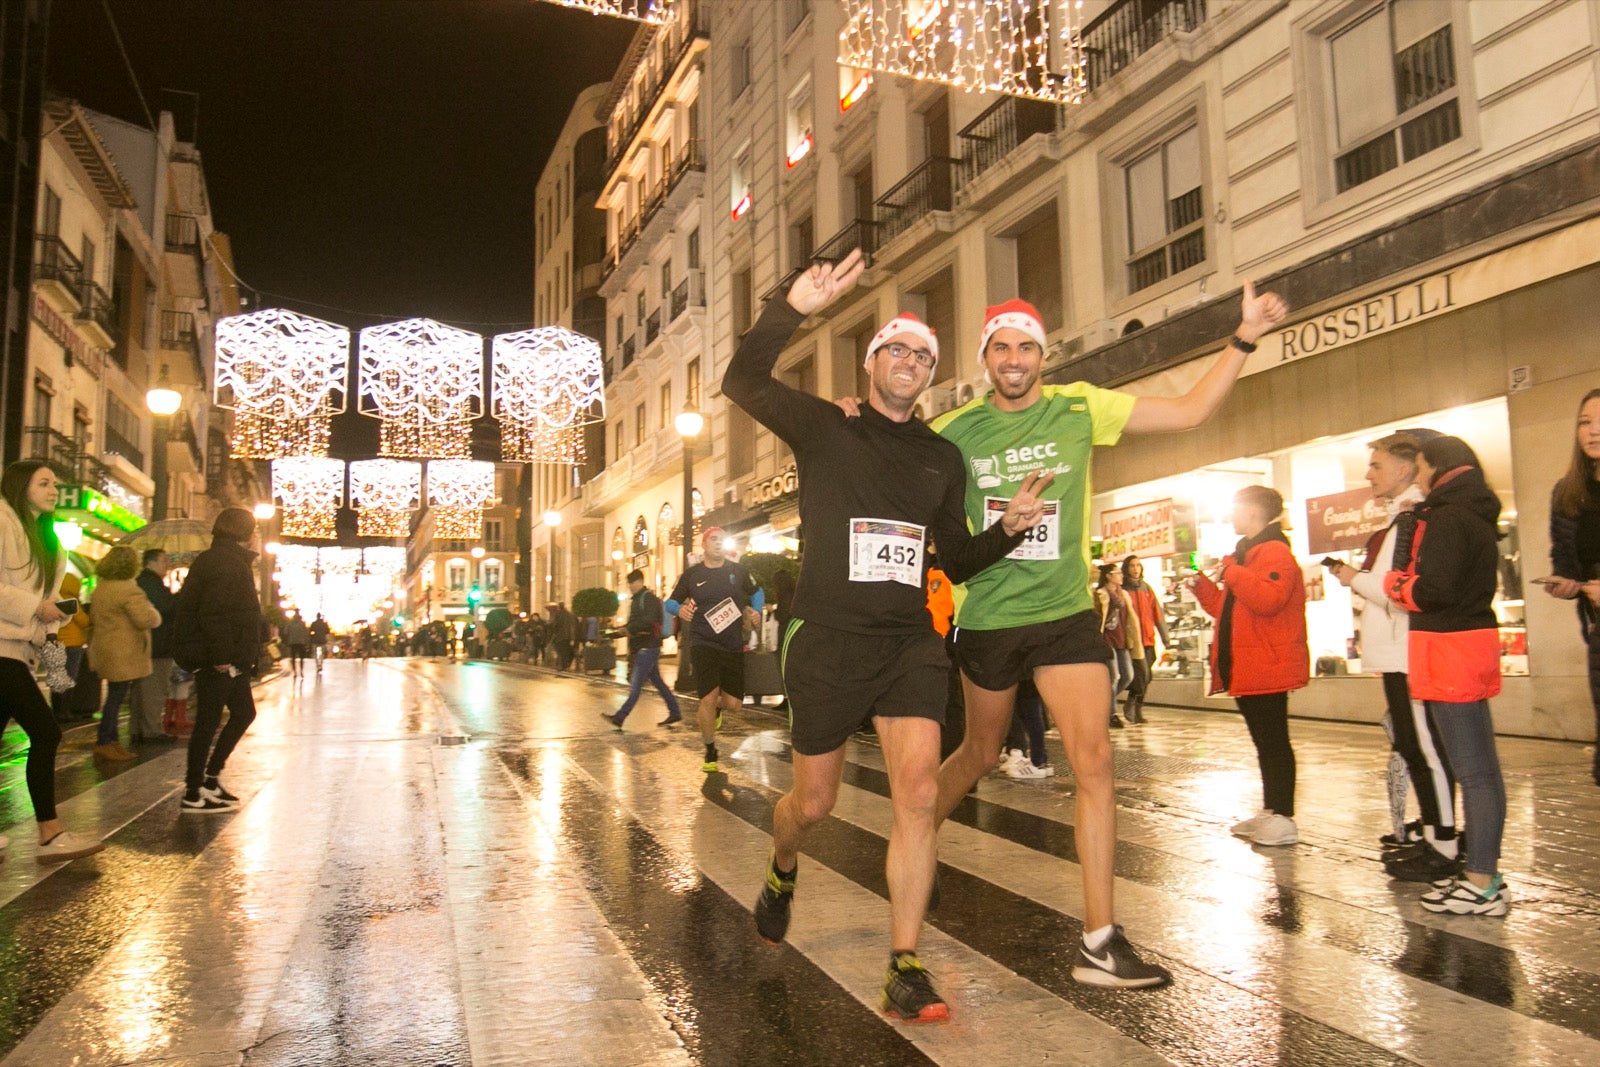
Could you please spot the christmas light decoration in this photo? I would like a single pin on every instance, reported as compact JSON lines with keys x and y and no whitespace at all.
{"x":284,"y":375}
{"x":425,"y":381}
{"x":347,"y":585}
{"x":384,"y":493}
{"x":548,"y":384}
{"x":652,"y":11}
{"x":312,"y":491}
{"x":458,"y":491}
{"x":1029,"y":48}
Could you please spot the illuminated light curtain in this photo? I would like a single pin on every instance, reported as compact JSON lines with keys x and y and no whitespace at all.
{"x":285,"y":376}
{"x":549,"y":383}
{"x":425,"y":381}
{"x":1029,"y":48}
{"x":384,"y":493}
{"x":458,"y":491}
{"x":654,"y":11}
{"x":312,"y":491}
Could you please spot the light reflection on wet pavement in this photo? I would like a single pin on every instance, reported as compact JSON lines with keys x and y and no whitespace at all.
{"x":550,"y":891}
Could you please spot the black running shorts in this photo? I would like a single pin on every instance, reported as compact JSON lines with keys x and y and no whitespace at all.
{"x":837,"y":681}
{"x":999,"y":659}
{"x":717,"y":668}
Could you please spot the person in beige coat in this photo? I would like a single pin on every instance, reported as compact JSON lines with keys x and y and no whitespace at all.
{"x":121,"y":619}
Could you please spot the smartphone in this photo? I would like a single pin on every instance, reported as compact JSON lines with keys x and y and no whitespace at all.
{"x":1547,"y":581}
{"x":1330,"y":562}
{"x":67,"y":607}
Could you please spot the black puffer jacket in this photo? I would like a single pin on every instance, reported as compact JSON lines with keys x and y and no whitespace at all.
{"x":216,"y":617}
{"x":1565,"y":561}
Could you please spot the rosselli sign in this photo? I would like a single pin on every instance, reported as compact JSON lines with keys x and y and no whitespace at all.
{"x":1141,"y":530}
{"x":1343,"y":521}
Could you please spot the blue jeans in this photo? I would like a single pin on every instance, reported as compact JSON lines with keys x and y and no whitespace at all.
{"x":647,"y":668}
{"x":1467,"y":733}
{"x":116,"y":693}
{"x":1123,"y":678}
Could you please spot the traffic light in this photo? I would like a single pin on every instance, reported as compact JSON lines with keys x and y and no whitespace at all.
{"x":399,"y":621}
{"x":474,"y":595}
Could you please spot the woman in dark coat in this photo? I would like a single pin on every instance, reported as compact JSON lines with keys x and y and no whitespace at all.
{"x":1447,"y":581}
{"x":1575,"y":542}
{"x":1259,"y":653}
{"x":216,"y":635}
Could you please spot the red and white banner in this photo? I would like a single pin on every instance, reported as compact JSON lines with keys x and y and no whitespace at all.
{"x":1140,"y":530}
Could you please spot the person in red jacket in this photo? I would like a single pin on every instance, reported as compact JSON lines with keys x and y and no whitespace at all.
{"x":1447,"y":581}
{"x":1259,"y":653}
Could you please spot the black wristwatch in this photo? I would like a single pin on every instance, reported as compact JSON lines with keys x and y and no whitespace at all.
{"x":1241,"y":344}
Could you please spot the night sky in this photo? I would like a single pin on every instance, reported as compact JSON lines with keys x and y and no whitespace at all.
{"x":372,"y":160}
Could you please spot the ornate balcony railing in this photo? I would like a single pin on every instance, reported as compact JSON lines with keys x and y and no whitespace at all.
{"x":1001,"y":130}
{"x":1128,"y":29}
{"x":99,"y":309}
{"x":859,"y":233}
{"x":54,"y":262}
{"x":930,"y":187}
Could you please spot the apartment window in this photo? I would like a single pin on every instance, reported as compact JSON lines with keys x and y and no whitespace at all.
{"x":80,"y":427}
{"x":741,"y":442}
{"x":802,"y":242}
{"x":455,"y":575}
{"x":90,"y":254}
{"x":493,"y":532}
{"x":934,"y":301}
{"x":1038,"y":263}
{"x":858,"y":195}
{"x":122,"y":431}
{"x":666,"y":405}
{"x":854,"y":83}
{"x":44,"y":395}
{"x":1394,"y":89}
{"x":936,"y":128}
{"x":692,"y":386}
{"x":795,"y":12}
{"x":1166,"y":225}
{"x":693,"y":254}
{"x":798,"y":139}
{"x":620,"y":335}
{"x":666,"y":281}
{"x":622,"y":448}
{"x":741,"y":303}
{"x":739,"y":195}
{"x":493,"y":575}
{"x":638,"y":424}
{"x":50,"y":213}
{"x":638,"y":306}
{"x":740,"y":64}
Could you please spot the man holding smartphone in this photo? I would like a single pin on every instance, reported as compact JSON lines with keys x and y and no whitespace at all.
{"x":1430,"y":851}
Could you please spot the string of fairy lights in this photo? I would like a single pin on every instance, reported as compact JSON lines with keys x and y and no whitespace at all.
{"x":285,"y":376}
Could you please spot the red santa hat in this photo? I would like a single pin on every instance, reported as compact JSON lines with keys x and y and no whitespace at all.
{"x":713,"y":533}
{"x":1015,"y":315}
{"x":905,"y":322}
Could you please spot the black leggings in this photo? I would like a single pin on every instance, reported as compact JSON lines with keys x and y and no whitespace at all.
{"x":21,"y":700}
{"x":1419,"y":745}
{"x":214,"y":690}
{"x":1267,"y":716}
{"x":1594,"y":694}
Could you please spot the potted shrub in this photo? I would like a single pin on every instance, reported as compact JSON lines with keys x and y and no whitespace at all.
{"x":599,"y":605}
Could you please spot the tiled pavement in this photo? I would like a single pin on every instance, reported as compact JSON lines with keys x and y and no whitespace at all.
{"x":446,"y":863}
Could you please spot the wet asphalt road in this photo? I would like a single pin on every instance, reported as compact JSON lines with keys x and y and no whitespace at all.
{"x":444,"y":863}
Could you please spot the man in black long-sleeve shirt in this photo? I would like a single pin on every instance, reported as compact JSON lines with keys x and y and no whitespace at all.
{"x":861,"y":644}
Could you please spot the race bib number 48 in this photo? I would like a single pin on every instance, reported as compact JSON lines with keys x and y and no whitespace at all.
{"x":1041,"y":542}
{"x":884,"y":550}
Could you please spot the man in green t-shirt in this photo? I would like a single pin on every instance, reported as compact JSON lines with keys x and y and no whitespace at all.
{"x":1031,"y":614}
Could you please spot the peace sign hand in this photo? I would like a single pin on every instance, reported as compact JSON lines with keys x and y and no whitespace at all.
{"x":1024,"y":510}
{"x":819,"y":286}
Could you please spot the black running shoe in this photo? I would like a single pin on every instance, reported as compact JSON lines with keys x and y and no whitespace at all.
{"x":1116,"y":965}
{"x":1423,"y":863}
{"x":216,"y":792}
{"x":670,"y":720}
{"x":709,"y":764}
{"x":772,"y":906}
{"x":205,"y":804}
{"x":908,"y":992}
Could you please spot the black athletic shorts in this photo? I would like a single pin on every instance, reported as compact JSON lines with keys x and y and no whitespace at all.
{"x":837,"y":681}
{"x":717,"y":668}
{"x":299,"y":651}
{"x":999,"y":659}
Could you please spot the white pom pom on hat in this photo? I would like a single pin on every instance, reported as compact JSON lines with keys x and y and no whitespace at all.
{"x":905,"y":322}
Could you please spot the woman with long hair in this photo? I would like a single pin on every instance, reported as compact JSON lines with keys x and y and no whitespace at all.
{"x":1120,"y":630}
{"x":119,"y":641}
{"x":1259,"y":653}
{"x":1575,"y":542}
{"x":1152,"y":621}
{"x":1447,"y":581}
{"x":31,"y":565}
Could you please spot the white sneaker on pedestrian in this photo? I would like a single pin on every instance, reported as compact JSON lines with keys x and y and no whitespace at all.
{"x":1009,"y":758}
{"x":68,"y":845}
{"x":1276,"y":830}
{"x":1247,"y":827}
{"x":1024,"y":770}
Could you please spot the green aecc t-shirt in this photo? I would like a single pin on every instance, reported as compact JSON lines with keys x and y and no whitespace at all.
{"x":1047,"y":576}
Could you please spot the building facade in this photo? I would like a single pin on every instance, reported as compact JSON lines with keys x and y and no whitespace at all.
{"x":1417,"y":179}
{"x":455,"y":581}
{"x":567,"y":539}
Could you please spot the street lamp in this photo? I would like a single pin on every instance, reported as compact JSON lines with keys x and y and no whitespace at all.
{"x":163,"y":401}
{"x":689,"y":423}
{"x":265,"y":512}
